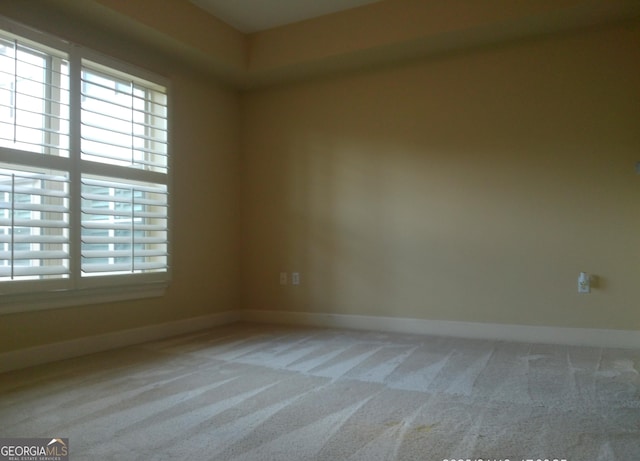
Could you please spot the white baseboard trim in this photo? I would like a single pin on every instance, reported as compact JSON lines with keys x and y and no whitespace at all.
{"x":37,"y":355}
{"x":23,"y":358}
{"x":627,"y":339}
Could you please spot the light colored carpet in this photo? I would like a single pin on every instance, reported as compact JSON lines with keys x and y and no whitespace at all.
{"x":247,"y":392}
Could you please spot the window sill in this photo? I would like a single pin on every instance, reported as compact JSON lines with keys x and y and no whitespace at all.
{"x":10,"y":304}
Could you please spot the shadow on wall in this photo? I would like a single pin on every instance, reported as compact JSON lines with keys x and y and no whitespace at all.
{"x":474,"y":188}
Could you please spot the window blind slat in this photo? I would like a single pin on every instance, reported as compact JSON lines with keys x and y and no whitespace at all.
{"x":34,"y":207}
{"x":23,"y":271}
{"x":33,"y":223}
{"x":43,"y":239}
{"x":122,"y":253}
{"x":144,"y":187}
{"x":42,"y":255}
{"x":124,"y":240}
{"x":33,"y":191}
{"x":139,"y":201}
{"x":105,"y":200}
{"x":140,"y":214}
{"x":112,"y":225}
{"x":123,"y":267}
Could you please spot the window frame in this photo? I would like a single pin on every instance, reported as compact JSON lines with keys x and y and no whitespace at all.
{"x":76,"y":289}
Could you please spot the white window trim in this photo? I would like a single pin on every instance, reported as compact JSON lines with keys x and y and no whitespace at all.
{"x":95,"y":291}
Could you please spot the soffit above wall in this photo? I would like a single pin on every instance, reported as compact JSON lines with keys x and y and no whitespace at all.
{"x":399,"y":30}
{"x":249,"y":16}
{"x":375,"y":34}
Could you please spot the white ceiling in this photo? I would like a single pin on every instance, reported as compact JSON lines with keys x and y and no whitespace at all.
{"x":255,"y":15}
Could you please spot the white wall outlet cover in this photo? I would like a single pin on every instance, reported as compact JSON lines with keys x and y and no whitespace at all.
{"x":584,"y":283}
{"x":295,"y":278}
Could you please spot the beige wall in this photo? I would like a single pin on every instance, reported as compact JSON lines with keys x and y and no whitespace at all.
{"x":473,"y":187}
{"x":205,"y":204}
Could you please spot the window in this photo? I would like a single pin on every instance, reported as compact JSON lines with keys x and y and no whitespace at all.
{"x":84,"y":172}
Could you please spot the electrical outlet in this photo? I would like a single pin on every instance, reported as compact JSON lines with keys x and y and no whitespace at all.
{"x":584,"y":283}
{"x":295,"y":278}
{"x":283,"y":278}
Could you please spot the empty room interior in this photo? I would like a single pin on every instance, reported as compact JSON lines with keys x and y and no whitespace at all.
{"x":357,"y":229}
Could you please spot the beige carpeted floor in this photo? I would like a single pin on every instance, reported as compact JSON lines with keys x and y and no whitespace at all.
{"x":247,"y":392}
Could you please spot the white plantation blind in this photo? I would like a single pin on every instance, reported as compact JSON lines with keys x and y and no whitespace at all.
{"x":124,"y":120}
{"x":124,"y":215}
{"x":84,"y":170}
{"x":124,"y":227}
{"x":34,"y":225}
{"x":34,"y":97}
